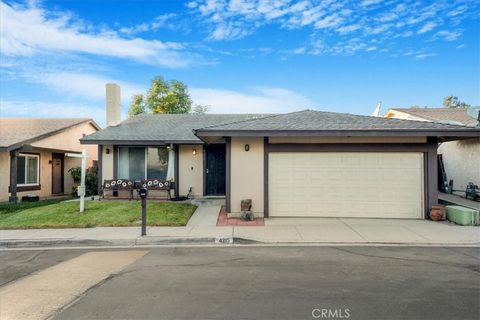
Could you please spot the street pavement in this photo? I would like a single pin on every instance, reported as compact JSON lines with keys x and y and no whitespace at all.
{"x":258,"y":282}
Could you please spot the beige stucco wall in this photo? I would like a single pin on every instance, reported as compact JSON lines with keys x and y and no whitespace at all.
{"x":190,"y":170}
{"x":107,"y":163}
{"x":247,"y":173}
{"x":69,"y":140}
{"x":68,"y":180}
{"x":4,"y":175}
{"x":462,"y":161}
{"x":347,"y":140}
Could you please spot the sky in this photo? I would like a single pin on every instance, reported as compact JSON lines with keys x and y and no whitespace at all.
{"x":238,"y":56}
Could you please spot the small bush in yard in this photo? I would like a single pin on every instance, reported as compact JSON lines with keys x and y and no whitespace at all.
{"x":91,"y":180}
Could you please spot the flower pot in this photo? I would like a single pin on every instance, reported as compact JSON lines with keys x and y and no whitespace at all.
{"x":437,"y":213}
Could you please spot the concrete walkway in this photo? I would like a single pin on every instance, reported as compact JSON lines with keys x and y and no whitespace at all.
{"x":202,"y":229}
{"x":206,"y":214}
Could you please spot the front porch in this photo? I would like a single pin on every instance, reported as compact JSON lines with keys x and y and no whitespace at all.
{"x":38,"y":172}
{"x":192,"y":170}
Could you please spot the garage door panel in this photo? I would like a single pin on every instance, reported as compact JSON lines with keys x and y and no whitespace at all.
{"x":377,"y":185}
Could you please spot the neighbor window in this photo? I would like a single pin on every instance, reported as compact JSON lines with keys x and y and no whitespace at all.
{"x":137,"y":163}
{"x":27,"y":170}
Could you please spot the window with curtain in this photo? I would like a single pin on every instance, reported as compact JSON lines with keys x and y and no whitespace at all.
{"x":137,"y":163}
{"x":27,"y":170}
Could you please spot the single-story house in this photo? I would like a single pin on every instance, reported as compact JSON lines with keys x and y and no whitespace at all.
{"x":32,"y":155}
{"x":460,"y":158}
{"x":307,"y":163}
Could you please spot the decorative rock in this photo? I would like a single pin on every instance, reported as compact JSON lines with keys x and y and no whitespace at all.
{"x":246,"y":205}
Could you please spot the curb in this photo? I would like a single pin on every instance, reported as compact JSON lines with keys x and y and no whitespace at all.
{"x":65,"y":243}
{"x":169,"y":241}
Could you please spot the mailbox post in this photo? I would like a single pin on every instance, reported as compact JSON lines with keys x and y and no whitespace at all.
{"x":143,"y":193}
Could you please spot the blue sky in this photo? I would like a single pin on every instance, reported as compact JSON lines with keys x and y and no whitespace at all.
{"x":238,"y":56}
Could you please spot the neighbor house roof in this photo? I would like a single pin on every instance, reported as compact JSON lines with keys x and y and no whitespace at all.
{"x":15,"y":133}
{"x":161,"y":128}
{"x":309,"y":123}
{"x":440,"y":114}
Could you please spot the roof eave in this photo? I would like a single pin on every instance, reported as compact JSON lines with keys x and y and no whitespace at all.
{"x":138,"y":142}
{"x":309,"y":133}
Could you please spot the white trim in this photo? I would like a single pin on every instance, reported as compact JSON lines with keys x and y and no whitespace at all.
{"x":26,"y":155}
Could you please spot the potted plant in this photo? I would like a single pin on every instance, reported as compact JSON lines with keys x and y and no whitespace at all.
{"x":437,"y":212}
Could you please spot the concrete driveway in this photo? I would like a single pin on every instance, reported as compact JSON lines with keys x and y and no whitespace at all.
{"x":349,"y":230}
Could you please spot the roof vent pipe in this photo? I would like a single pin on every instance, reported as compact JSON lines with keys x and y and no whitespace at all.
{"x":112,"y":103}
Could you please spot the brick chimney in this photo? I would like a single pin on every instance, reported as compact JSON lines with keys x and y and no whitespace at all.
{"x":112,"y":103}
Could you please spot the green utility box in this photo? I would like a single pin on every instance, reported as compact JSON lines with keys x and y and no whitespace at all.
{"x":463,"y":216}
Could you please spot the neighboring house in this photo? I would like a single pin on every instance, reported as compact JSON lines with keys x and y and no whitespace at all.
{"x":461,"y":158}
{"x":306,"y":163}
{"x":32,"y":155}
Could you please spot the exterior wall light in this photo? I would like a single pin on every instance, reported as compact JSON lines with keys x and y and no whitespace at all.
{"x":194,"y":152}
{"x":107,"y":151}
{"x":247,"y":147}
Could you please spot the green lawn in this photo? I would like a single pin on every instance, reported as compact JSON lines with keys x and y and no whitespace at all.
{"x":97,"y":214}
{"x":8,"y":207}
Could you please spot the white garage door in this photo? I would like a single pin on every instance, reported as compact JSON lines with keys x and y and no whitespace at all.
{"x":346,"y":184}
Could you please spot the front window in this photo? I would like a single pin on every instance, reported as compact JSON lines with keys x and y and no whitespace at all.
{"x":138,"y":163}
{"x":27,"y":170}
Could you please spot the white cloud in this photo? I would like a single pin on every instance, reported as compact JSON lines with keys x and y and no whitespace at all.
{"x":162,"y":21}
{"x":259,"y":99}
{"x":422,"y":56}
{"x":329,"y":21}
{"x":367,"y":3}
{"x":26,"y":31}
{"x":85,"y":85}
{"x":427,"y":27}
{"x":300,"y":50}
{"x":36,"y":109}
{"x":448,"y":35}
{"x":348,"y":29}
{"x":335,"y":22}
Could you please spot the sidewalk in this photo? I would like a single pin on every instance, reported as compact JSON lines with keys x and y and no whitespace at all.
{"x":276,"y":231}
{"x":202,"y":229}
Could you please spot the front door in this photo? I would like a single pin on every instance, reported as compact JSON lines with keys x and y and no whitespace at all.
{"x":57,"y":173}
{"x":215,"y":170}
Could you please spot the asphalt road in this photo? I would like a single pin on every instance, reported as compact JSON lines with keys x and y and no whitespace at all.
{"x":276,"y":283}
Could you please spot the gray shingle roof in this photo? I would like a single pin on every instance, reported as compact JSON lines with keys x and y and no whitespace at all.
{"x":21,"y":131}
{"x":310,"y":120}
{"x":167,"y":128}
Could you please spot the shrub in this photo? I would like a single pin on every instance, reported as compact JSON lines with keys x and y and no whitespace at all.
{"x":91,"y":180}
